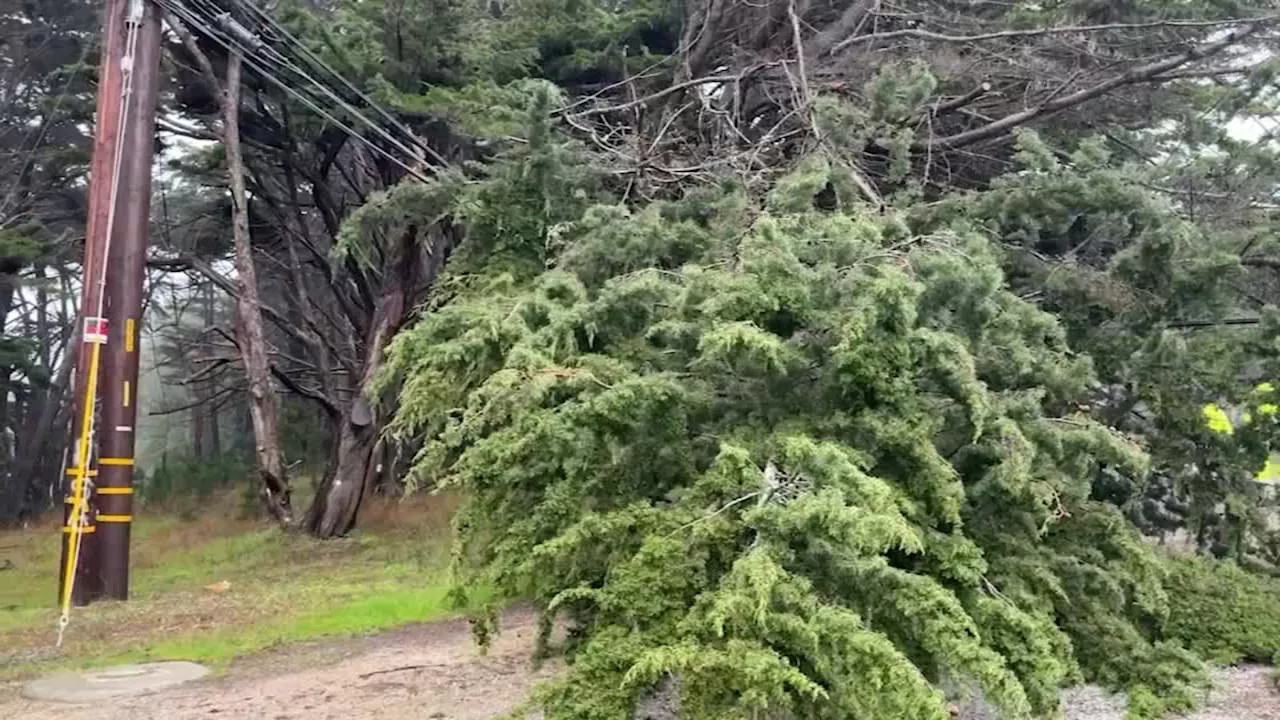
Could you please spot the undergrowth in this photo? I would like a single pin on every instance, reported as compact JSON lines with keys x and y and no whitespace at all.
{"x":1222,"y":612}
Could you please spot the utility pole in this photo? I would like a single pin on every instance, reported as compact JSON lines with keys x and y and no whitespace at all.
{"x":115,"y":244}
{"x":81,"y":470}
{"x":124,"y":280}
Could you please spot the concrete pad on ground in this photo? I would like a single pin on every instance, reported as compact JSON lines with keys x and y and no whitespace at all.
{"x":123,"y":680}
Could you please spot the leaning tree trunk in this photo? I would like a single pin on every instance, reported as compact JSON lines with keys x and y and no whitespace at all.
{"x":407,"y":270}
{"x":337,"y":501}
{"x":264,"y":406}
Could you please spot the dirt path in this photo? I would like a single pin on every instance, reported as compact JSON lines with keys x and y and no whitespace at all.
{"x":367,"y":679}
{"x":351,"y":680}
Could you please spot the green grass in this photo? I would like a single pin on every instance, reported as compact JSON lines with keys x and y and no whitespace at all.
{"x":380,"y":611}
{"x":282,"y":588}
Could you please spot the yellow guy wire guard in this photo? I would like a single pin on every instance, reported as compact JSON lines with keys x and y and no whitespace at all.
{"x":80,"y":498}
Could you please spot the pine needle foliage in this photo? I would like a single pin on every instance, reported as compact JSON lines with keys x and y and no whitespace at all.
{"x":808,"y":464}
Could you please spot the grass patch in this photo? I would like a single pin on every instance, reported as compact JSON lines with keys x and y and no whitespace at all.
{"x":210,"y":589}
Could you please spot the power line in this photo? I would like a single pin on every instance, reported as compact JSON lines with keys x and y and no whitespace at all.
{"x":218,"y":16}
{"x":307,"y":53}
{"x":256,"y":64}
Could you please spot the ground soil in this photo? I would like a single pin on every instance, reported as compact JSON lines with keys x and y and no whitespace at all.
{"x":431,"y":672}
{"x":434,"y":672}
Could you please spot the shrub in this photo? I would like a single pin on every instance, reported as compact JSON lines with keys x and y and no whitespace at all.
{"x":1223,"y":612}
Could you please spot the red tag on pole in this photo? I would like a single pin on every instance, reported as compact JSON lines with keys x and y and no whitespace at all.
{"x":95,"y":330}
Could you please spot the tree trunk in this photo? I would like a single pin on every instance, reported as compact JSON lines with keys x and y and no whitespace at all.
{"x":204,"y":390}
{"x":41,"y":421}
{"x":197,"y":422}
{"x":264,"y":405}
{"x":338,"y":498}
{"x":211,"y":386}
{"x":11,"y":499}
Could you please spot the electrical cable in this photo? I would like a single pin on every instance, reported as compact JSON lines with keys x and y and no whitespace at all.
{"x":218,"y":16}
{"x":255,"y":63}
{"x":289,"y":38}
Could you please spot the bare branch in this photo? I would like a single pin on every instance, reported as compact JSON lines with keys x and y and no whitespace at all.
{"x":189,"y":262}
{"x":189,"y":42}
{"x":194,"y":404}
{"x":188,"y":131}
{"x":1041,"y":32}
{"x":1144,"y":73}
{"x":1228,"y":322}
{"x":330,"y":407}
{"x":1262,"y":262}
{"x":708,"y":80}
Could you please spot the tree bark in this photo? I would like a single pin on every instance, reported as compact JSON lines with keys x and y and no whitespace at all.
{"x":338,"y":499}
{"x":11,"y":500}
{"x":264,"y":405}
{"x":40,"y":424}
{"x":214,"y":446}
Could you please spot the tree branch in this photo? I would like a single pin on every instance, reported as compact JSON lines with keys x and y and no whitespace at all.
{"x":189,"y":42}
{"x":188,"y":262}
{"x":850,"y":22}
{"x":1144,"y":73}
{"x":1262,"y":262}
{"x":330,"y":408}
{"x":194,"y":404}
{"x":708,"y":80}
{"x":1229,"y":322}
{"x":1041,"y":32}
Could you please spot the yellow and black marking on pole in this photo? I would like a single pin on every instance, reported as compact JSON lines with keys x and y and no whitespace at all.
{"x":115,"y":461}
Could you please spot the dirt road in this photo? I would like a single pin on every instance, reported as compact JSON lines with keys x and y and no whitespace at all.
{"x":434,"y":672}
{"x":429,"y":672}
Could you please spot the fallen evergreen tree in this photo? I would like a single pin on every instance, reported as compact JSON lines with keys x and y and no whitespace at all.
{"x":803,"y":462}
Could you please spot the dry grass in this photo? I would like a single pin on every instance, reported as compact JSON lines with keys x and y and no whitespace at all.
{"x":211,"y":588}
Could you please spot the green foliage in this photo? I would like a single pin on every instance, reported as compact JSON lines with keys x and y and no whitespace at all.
{"x":481,"y":109}
{"x":809,"y":464}
{"x":1223,"y":612}
{"x":1119,"y":266}
{"x":390,"y":213}
{"x":191,"y":477}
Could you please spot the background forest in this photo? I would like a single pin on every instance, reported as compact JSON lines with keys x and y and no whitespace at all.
{"x":812,"y":358}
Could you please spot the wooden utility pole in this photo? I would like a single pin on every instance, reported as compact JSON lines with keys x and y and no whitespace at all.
{"x":80,"y":462}
{"x":115,"y":242}
{"x":124,"y":280}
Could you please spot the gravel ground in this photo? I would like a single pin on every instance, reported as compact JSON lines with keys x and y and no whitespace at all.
{"x":433,"y":672}
{"x":1239,"y":693}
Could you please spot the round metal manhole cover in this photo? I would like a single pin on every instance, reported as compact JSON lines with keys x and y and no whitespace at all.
{"x":93,"y":685}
